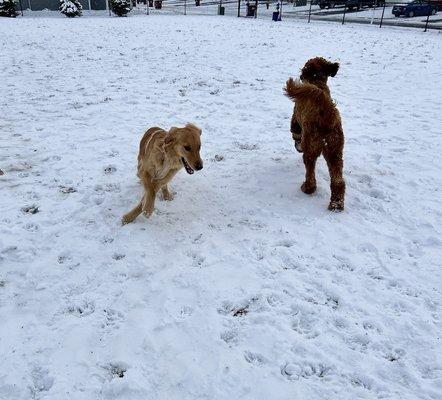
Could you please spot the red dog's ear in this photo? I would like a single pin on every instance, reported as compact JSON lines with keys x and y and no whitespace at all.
{"x":332,"y":69}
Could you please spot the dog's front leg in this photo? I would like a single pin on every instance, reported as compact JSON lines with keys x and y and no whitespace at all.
{"x":131,"y":215}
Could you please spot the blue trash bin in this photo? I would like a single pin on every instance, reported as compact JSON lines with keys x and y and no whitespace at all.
{"x":275,"y":16}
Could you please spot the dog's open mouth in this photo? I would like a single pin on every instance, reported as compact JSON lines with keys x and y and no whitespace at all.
{"x":189,"y":170}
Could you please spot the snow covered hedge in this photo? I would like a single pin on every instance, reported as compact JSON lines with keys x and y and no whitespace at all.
{"x":7,"y":8}
{"x":70,"y":8}
{"x":120,"y":7}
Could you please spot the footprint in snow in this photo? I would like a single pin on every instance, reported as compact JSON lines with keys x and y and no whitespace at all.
{"x":118,"y":256}
{"x":229,"y":336}
{"x":247,"y":146}
{"x":110,"y":169}
{"x":254,"y":358}
{"x":296,"y":371}
{"x":32,"y":227}
{"x":107,"y":239}
{"x":116,"y":369}
{"x":197,"y":259}
{"x":33,"y":209}
{"x":67,"y":189}
{"x":41,"y":381}
{"x":83,"y":310}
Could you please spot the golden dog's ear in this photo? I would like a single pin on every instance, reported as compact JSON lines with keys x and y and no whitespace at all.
{"x":170,"y":137}
{"x":193,"y":128}
{"x":332,"y":69}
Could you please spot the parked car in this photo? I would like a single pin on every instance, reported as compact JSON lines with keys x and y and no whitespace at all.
{"x":437,"y":4}
{"x":330,"y":3}
{"x":358,"y":4}
{"x":414,"y":9}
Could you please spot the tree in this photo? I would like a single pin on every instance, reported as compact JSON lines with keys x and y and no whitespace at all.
{"x":7,"y":8}
{"x":70,"y":8}
{"x":120,"y":7}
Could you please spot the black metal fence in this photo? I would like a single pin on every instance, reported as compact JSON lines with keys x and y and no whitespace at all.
{"x":277,"y":10}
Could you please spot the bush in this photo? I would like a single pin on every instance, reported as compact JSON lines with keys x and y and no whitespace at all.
{"x":120,"y":7}
{"x":7,"y":8}
{"x":71,"y":8}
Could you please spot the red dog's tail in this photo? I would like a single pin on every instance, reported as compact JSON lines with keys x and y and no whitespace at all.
{"x":297,"y":90}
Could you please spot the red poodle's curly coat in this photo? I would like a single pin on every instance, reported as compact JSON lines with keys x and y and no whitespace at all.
{"x":316,"y":127}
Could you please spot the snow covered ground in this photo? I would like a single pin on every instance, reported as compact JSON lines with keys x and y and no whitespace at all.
{"x":242,"y":287}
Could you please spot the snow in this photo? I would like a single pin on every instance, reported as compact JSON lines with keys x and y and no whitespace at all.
{"x":242,"y":287}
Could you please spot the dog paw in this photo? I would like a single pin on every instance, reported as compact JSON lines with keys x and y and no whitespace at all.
{"x":167,"y":196}
{"x":308,"y":188}
{"x":147,"y":214}
{"x":127,"y":219}
{"x":336,"y":206}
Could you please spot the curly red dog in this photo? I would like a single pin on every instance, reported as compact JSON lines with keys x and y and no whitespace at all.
{"x":316,"y":127}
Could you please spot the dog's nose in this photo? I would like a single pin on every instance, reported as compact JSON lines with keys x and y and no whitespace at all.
{"x":199,"y":166}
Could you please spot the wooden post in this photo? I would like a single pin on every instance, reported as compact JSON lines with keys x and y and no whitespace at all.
{"x":310,"y":11}
{"x":185,"y":7}
{"x":239,"y":8}
{"x":21,"y":8}
{"x":343,"y":15}
{"x":256,"y":8}
{"x":108,"y":6}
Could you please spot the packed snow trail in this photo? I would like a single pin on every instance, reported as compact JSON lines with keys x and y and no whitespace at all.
{"x":242,"y":287}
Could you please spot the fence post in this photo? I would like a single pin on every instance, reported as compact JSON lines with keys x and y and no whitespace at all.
{"x":428,"y":18}
{"x":256,"y":8}
{"x":239,"y":8}
{"x":21,"y":8}
{"x":382,"y":16}
{"x":343,"y":15}
{"x":185,"y":7}
{"x":108,"y":6}
{"x":309,"y":11}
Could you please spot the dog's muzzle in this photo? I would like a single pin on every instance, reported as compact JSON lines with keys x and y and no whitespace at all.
{"x":188,"y":168}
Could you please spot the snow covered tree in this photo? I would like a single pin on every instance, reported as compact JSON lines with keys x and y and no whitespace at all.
{"x":70,"y":8}
{"x":120,"y":7}
{"x":7,"y":8}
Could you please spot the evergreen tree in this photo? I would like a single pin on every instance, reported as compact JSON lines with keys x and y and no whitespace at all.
{"x":70,"y":8}
{"x":7,"y":8}
{"x":120,"y":7}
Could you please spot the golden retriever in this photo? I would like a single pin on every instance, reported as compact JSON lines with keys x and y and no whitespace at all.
{"x":162,"y":154}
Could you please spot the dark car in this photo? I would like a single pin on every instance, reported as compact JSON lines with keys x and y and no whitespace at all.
{"x":330,"y":3}
{"x":437,"y":4}
{"x":414,"y":9}
{"x":358,"y":4}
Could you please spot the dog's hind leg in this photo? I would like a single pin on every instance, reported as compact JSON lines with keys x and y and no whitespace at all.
{"x":337,"y":183}
{"x":131,"y":215}
{"x":309,"y":185}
